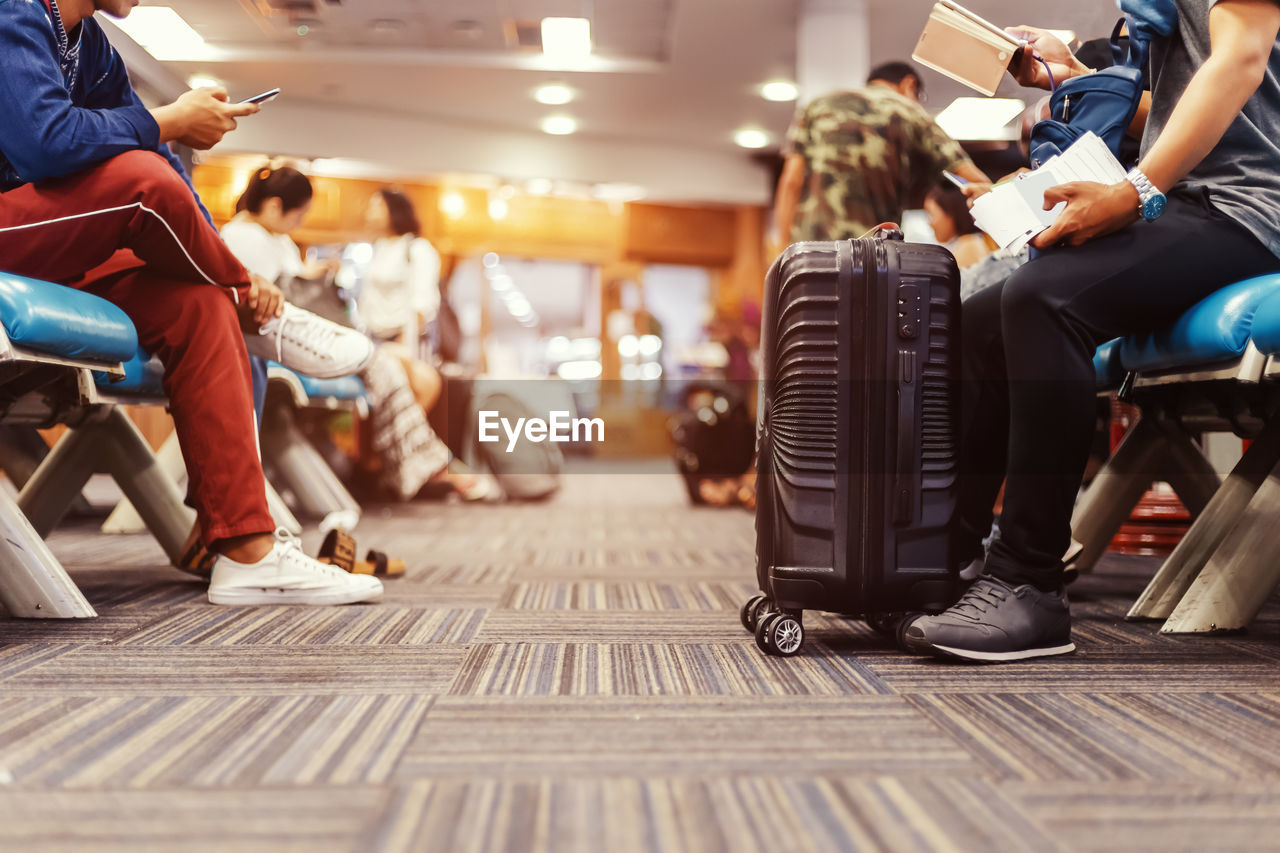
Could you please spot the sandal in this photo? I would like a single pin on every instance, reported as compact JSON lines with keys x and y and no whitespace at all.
{"x":339,"y":549}
{"x":197,"y":560}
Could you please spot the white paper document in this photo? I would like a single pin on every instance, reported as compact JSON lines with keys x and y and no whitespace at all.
{"x":1012,"y":213}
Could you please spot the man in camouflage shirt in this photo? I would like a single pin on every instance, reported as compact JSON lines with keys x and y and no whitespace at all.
{"x":859,"y":158}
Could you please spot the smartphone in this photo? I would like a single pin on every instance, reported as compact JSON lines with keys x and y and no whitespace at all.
{"x":265,"y":98}
{"x":955,"y":179}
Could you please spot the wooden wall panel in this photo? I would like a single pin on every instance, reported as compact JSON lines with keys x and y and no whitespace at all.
{"x":697,"y":236}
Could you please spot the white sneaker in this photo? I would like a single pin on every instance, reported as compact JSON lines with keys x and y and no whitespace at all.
{"x":288,"y":576}
{"x":310,"y":344}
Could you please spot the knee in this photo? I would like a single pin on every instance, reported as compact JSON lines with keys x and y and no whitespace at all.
{"x":1025,"y":298}
{"x":207,"y":313}
{"x":147,"y":177}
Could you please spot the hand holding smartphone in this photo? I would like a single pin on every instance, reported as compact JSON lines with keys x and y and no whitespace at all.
{"x":960,"y":182}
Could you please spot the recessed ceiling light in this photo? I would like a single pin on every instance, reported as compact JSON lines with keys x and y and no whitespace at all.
{"x":203,"y":81}
{"x":980,"y":118}
{"x":453,"y":205}
{"x":779,"y":90}
{"x":750,"y":137}
{"x":498,"y":209}
{"x":566,"y":39}
{"x":163,"y":33}
{"x":559,"y":125}
{"x":553,"y":94}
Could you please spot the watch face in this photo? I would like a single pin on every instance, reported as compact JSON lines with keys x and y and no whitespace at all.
{"x":1153,"y":207}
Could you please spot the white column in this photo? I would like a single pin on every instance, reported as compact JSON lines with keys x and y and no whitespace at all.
{"x":833,"y":46}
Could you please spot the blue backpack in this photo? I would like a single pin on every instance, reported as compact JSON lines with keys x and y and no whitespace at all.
{"x":1105,"y":102}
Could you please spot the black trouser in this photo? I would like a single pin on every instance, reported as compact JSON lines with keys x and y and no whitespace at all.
{"x":1027,"y":365}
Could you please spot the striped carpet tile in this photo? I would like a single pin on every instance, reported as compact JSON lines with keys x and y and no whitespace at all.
{"x":1189,"y":669}
{"x":103,"y":629}
{"x":462,"y":574}
{"x":241,"y":670}
{"x":16,"y":658}
{"x":305,"y":820}
{"x":1113,"y":736}
{"x":295,"y":626}
{"x":126,"y":594}
{"x":605,"y":626}
{"x":773,"y":813}
{"x":651,"y":669}
{"x":626,"y":595}
{"x":1189,"y":815}
{"x":854,"y":735}
{"x":168,"y":742}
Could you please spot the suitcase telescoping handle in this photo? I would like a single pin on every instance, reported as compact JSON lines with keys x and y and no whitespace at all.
{"x":908,"y":329}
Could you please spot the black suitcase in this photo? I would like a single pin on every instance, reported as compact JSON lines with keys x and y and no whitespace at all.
{"x":857,"y":434}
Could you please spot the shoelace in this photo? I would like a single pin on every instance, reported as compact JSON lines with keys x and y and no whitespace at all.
{"x":291,"y":546}
{"x":982,"y":596}
{"x":306,"y":330}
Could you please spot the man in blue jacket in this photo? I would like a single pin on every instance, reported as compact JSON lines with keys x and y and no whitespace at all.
{"x":92,"y":197}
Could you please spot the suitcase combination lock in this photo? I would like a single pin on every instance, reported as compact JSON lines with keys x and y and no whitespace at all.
{"x":908,"y":311}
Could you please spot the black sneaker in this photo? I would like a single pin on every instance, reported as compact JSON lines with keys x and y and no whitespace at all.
{"x":995,"y":621}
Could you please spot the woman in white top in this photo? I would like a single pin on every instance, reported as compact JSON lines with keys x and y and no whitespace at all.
{"x":400,"y":293}
{"x":274,"y":205}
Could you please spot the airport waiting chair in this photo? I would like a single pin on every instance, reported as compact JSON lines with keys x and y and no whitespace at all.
{"x":1205,"y":373}
{"x":53,"y":339}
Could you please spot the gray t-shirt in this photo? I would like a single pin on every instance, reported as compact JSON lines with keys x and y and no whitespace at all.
{"x":1242,"y":172}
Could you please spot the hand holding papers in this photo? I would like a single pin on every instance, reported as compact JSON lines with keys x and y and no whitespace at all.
{"x":1012,"y":213}
{"x":965,"y":47}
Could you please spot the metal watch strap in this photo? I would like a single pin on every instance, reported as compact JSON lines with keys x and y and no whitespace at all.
{"x":1142,"y":184}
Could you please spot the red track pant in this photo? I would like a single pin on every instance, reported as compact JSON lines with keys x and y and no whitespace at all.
{"x":130,"y":231}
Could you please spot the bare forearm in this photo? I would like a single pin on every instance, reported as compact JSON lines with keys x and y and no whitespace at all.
{"x":971,"y":173}
{"x":1206,"y":109}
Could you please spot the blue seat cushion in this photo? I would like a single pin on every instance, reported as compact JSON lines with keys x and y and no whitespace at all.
{"x":142,"y":378}
{"x":1266,"y":326}
{"x":1215,"y":329}
{"x":62,"y":321}
{"x":343,"y":388}
{"x":1106,"y":364}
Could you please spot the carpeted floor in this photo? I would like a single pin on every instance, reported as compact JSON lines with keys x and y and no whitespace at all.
{"x":572,"y":676}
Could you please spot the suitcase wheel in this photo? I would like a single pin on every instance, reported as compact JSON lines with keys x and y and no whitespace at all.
{"x":780,"y":634}
{"x":751,"y":612}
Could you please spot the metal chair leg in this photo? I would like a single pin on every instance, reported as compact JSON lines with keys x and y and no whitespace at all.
{"x":302,"y":469}
{"x":1116,"y":490}
{"x":56,"y":484}
{"x":124,"y":519}
{"x":1241,"y":573}
{"x":1215,"y":522}
{"x":33,"y":584}
{"x":129,"y":459}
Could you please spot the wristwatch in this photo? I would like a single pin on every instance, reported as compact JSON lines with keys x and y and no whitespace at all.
{"x":1150,"y":199}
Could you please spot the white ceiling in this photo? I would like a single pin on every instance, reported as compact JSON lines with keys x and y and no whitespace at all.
{"x":443,"y":90}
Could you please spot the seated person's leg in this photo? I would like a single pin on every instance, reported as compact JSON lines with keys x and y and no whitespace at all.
{"x":193,"y":330}
{"x":1054,"y":312}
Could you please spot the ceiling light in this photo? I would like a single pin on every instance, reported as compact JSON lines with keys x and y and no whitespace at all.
{"x":618,"y":192}
{"x":750,"y":137}
{"x":566,"y":39}
{"x":559,"y":125}
{"x":980,"y":118}
{"x":162,"y":33}
{"x":203,"y":81}
{"x":779,"y":90}
{"x":1064,"y":36}
{"x":498,"y":209}
{"x":453,"y":205}
{"x":553,"y":94}
{"x":491,"y":260}
{"x":539,"y":186}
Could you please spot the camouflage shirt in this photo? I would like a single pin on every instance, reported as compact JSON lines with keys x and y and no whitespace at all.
{"x":869,"y":154}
